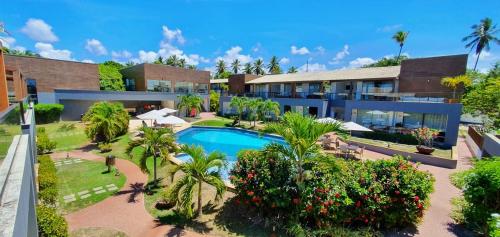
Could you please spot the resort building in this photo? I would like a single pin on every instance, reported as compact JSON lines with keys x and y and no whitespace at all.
{"x":393,"y":99}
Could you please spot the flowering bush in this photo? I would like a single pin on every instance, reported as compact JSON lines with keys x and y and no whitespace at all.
{"x":425,"y":136}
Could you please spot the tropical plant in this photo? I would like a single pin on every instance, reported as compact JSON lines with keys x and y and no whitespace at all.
{"x":400,"y":38}
{"x":484,"y":98}
{"x":110,"y":78}
{"x":159,"y":60}
{"x":214,"y":101}
{"x":43,"y":143}
{"x":274,"y":66}
{"x":292,"y":69}
{"x":258,"y":67}
{"x":454,"y":82}
{"x":248,"y":69}
{"x":181,"y":63}
{"x":50,"y":223}
{"x":106,"y":121}
{"x":301,"y":133}
{"x":387,"y":61}
{"x":200,"y":168}
{"x":155,"y":143}
{"x":424,"y":136}
{"x":220,"y":68}
{"x":191,"y":103}
{"x":481,"y":36}
{"x":235,"y":66}
{"x":252,"y":106}
{"x":191,"y":66}
{"x":239,"y":103}
{"x":268,"y":108}
{"x":173,"y":60}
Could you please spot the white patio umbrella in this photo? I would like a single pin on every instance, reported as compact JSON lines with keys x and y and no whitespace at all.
{"x":352,"y":126}
{"x":327,"y":120}
{"x":171,"y":120}
{"x":151,"y":115}
{"x":166,"y":111}
{"x":376,"y":112}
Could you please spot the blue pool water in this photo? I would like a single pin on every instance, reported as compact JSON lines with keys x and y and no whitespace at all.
{"x":226,"y":140}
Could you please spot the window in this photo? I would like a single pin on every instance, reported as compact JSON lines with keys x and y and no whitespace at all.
{"x":129,"y":84}
{"x":183,"y":87}
{"x":374,"y":118}
{"x":314,"y":87}
{"x":436,"y":121}
{"x":159,"y":85}
{"x":287,"y":108}
{"x":298,"y":88}
{"x":412,"y":120}
{"x":201,"y":88}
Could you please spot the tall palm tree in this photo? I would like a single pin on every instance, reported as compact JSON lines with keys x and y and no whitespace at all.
{"x":220,"y":67}
{"x":156,"y":143}
{"x":182,"y":63}
{"x":301,"y":133}
{"x":292,"y":69}
{"x":274,"y":66}
{"x":258,"y":67}
{"x":190,"y":103}
{"x":267,"y":108}
{"x":240,"y":104}
{"x":173,"y":60}
{"x":400,"y":38}
{"x":248,"y":69}
{"x":105,"y":121}
{"x":481,"y":36}
{"x":235,"y":66}
{"x":198,"y":170}
{"x":253,"y":106}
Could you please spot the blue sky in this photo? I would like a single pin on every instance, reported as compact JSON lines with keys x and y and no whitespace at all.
{"x":330,"y":34}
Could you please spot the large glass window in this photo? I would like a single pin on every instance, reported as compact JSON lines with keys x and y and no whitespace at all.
{"x":413,"y":120}
{"x":314,"y":87}
{"x":299,"y":88}
{"x":201,"y":88}
{"x":129,"y":84}
{"x":436,"y":121}
{"x":159,"y":85}
{"x":183,"y":87}
{"x":377,"y":87}
{"x":369,"y":118}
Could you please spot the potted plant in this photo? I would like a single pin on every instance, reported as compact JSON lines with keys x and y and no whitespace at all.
{"x":424,"y":136}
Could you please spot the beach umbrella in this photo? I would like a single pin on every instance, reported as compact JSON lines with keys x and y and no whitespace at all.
{"x":352,"y":126}
{"x":327,"y":120}
{"x":151,"y":115}
{"x":171,"y":120}
{"x":166,"y":111}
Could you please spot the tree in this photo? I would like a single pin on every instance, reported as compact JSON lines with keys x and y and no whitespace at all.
{"x":248,"y":69}
{"x":173,"y":61}
{"x":159,"y":60}
{"x":220,"y":68}
{"x":301,"y":133}
{"x":484,"y":98}
{"x":480,"y":38}
{"x":253,"y":106}
{"x":110,"y":77}
{"x":235,"y":66}
{"x":387,"y":61}
{"x":292,"y":69}
{"x":239,"y":103}
{"x":214,"y":101}
{"x":400,"y":38}
{"x":274,"y":66}
{"x":191,"y":66}
{"x":191,"y":103}
{"x":155,"y":143}
{"x":268,"y":108}
{"x":258,"y":67}
{"x":198,"y":170}
{"x":105,"y":121}
{"x":454,"y":82}
{"x":181,"y":63}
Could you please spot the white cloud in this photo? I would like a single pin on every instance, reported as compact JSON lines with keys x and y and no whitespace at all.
{"x":87,"y":61}
{"x":123,"y":55}
{"x":19,"y":48}
{"x":173,"y":35}
{"x":320,"y":49}
{"x":314,"y":67}
{"x":257,"y":47}
{"x":235,"y":53}
{"x":301,"y":51}
{"x":95,"y":46}
{"x":47,"y":50}
{"x":40,"y":31}
{"x":284,"y":60}
{"x":359,"y":62}
{"x":389,"y":28}
{"x":8,"y":42}
{"x":340,"y":55}
{"x":147,"y":57}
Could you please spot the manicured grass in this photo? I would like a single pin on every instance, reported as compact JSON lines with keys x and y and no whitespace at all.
{"x":66,"y":139}
{"x":215,"y":123}
{"x":401,"y":147}
{"x":7,"y":133}
{"x":77,"y":177}
{"x":96,"y":231}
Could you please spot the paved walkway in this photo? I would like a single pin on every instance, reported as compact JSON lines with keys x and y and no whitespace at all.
{"x":124,"y":211}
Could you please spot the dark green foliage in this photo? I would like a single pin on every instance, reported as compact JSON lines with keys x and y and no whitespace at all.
{"x":392,"y":137}
{"x":47,"y":180}
{"x":43,"y":143}
{"x":48,"y":113}
{"x":386,"y":62}
{"x":16,"y":52}
{"x":105,"y":121}
{"x":104,"y":147}
{"x":214,"y":101}
{"x":50,"y":224}
{"x":110,"y":77}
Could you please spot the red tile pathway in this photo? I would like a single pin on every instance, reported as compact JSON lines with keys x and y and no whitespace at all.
{"x":124,"y":211}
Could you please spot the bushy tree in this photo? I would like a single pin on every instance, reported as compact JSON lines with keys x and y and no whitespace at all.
{"x":484,"y":98}
{"x":239,"y":103}
{"x":387,"y":61}
{"x":214,"y":101}
{"x":106,"y":121}
{"x":110,"y":77}
{"x":190,"y":103}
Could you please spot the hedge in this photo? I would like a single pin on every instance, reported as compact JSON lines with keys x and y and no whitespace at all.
{"x":47,"y":180}
{"x":50,"y":223}
{"x":43,"y":143}
{"x":48,"y":113}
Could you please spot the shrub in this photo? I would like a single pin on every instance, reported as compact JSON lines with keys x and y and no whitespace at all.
{"x":50,"y":223}
{"x":43,"y":143}
{"x":105,"y":121}
{"x":47,"y":180}
{"x":104,"y":147}
{"x":48,"y":113}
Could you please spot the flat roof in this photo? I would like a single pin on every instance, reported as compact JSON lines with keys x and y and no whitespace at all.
{"x":215,"y":81}
{"x":391,"y":72}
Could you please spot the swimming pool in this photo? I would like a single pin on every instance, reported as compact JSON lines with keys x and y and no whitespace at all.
{"x":226,"y":140}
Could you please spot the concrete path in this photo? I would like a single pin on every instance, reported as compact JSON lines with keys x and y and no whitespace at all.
{"x":124,"y":211}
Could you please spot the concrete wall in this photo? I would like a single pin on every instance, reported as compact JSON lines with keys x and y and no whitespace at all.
{"x":491,"y":145}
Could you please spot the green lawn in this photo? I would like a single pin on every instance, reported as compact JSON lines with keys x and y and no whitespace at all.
{"x":66,"y":139}
{"x":221,"y":122}
{"x":7,"y":133}
{"x":77,"y":177}
{"x":401,"y":147}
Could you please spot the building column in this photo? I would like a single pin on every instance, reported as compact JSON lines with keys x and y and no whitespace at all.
{"x":4,"y":93}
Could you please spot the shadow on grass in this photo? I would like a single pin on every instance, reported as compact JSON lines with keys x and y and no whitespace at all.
{"x":134,"y":190}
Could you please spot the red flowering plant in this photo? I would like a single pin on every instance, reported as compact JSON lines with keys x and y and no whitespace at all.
{"x":425,"y":136}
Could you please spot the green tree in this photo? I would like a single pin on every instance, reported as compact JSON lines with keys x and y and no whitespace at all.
{"x":292,"y":69}
{"x":110,"y":77}
{"x":173,"y":61}
{"x":105,"y":121}
{"x":155,"y":143}
{"x":235,"y":66}
{"x":200,"y":168}
{"x":239,"y":103}
{"x":454,"y":82}
{"x":386,"y":62}
{"x":214,"y":101}
{"x":248,"y":69}
{"x":258,"y":67}
{"x":159,"y":60}
{"x":268,"y":108}
{"x":182,"y":63}
{"x":400,"y":38}
{"x":190,"y":103}
{"x":302,"y":134}
{"x":191,"y":66}
{"x":481,"y":36}
{"x":274,"y":66}
{"x":484,"y":98}
{"x":252,"y":106}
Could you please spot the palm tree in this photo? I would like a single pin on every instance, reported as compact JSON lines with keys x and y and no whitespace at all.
{"x":239,"y":103}
{"x":274,"y":66}
{"x":248,"y":69}
{"x":191,"y":103}
{"x":106,"y":121}
{"x":173,"y":60}
{"x":235,"y":66}
{"x":253,"y":106}
{"x":220,"y":67}
{"x":156,"y":143}
{"x":159,"y":60}
{"x":182,"y":63}
{"x":292,"y":69}
{"x":301,"y":133}
{"x":258,"y":67}
{"x":268,"y":107}
{"x":198,"y":170}
{"x":400,"y":38}
{"x":454,"y":82}
{"x":191,"y":66}
{"x":480,"y":38}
